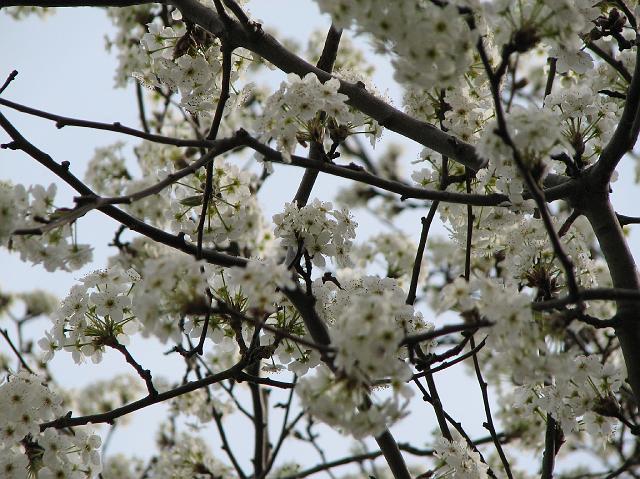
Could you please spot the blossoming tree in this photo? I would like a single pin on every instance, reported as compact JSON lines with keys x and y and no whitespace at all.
{"x":524,"y":109}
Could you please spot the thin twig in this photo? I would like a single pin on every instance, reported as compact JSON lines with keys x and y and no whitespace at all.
{"x":451,"y":328}
{"x":62,"y":121}
{"x":18,"y":354}
{"x":9,"y":79}
{"x":141,"y":112}
{"x":487,"y":409}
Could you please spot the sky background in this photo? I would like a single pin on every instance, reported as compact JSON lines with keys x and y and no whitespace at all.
{"x":64,"y":68}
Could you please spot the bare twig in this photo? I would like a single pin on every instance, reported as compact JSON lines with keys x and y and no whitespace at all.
{"x":9,"y":79}
{"x":15,"y":350}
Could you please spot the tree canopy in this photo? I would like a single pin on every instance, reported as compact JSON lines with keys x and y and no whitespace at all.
{"x":298,"y":324}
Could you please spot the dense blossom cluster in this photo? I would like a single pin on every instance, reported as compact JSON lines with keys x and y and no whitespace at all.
{"x":188,"y":61}
{"x":399,"y":29}
{"x":459,"y":460}
{"x":558,"y":23}
{"x":188,"y":456}
{"x":25,"y":451}
{"x":318,"y":230}
{"x":171,"y":287}
{"x":22,"y":208}
{"x":96,"y":314}
{"x":367,"y":319}
{"x":305,"y":109}
{"x":233,"y":214}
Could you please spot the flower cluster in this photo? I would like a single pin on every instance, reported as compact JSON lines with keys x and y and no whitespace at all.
{"x":129,"y":26}
{"x":580,"y":398}
{"x":186,"y":60}
{"x":397,"y":249}
{"x":318,"y":230}
{"x":569,"y":386}
{"x":343,"y":404}
{"x":558,"y":23}
{"x":201,"y":404}
{"x":188,"y":456}
{"x":461,"y":462}
{"x":106,"y":395}
{"x":400,"y":29}
{"x":25,"y":451}
{"x":304,"y":109}
{"x":367,"y":319}
{"x":233,"y":213}
{"x":172,"y":287}
{"x":57,"y":248}
{"x":536,"y":134}
{"x":95,"y":314}
{"x":262,"y":283}
{"x":588,"y":119}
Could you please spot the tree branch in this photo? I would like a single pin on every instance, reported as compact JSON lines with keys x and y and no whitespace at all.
{"x":62,"y":121}
{"x":110,"y":416}
{"x":626,"y":133}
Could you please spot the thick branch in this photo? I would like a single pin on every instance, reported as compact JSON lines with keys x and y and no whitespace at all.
{"x":599,"y":211}
{"x":626,"y":133}
{"x":327,"y":58}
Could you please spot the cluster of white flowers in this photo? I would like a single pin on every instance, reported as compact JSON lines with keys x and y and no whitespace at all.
{"x":400,"y":29}
{"x":122,"y":466}
{"x":343,"y":404}
{"x":558,"y":22}
{"x":262,"y":283}
{"x":569,"y":386}
{"x":589,"y":119}
{"x":580,"y":398}
{"x":367,"y":319}
{"x":201,"y":404}
{"x":107,"y":171}
{"x":188,"y":61}
{"x":22,"y":208}
{"x":38,"y":302}
{"x":291,"y":114}
{"x":188,"y":456}
{"x":460,"y":461}
{"x":318,"y":229}
{"x":397,"y":249}
{"x":233,"y":213}
{"x":25,"y":451}
{"x":536,"y":134}
{"x":95,"y":314}
{"x":172,"y":287}
{"x":129,"y":26}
